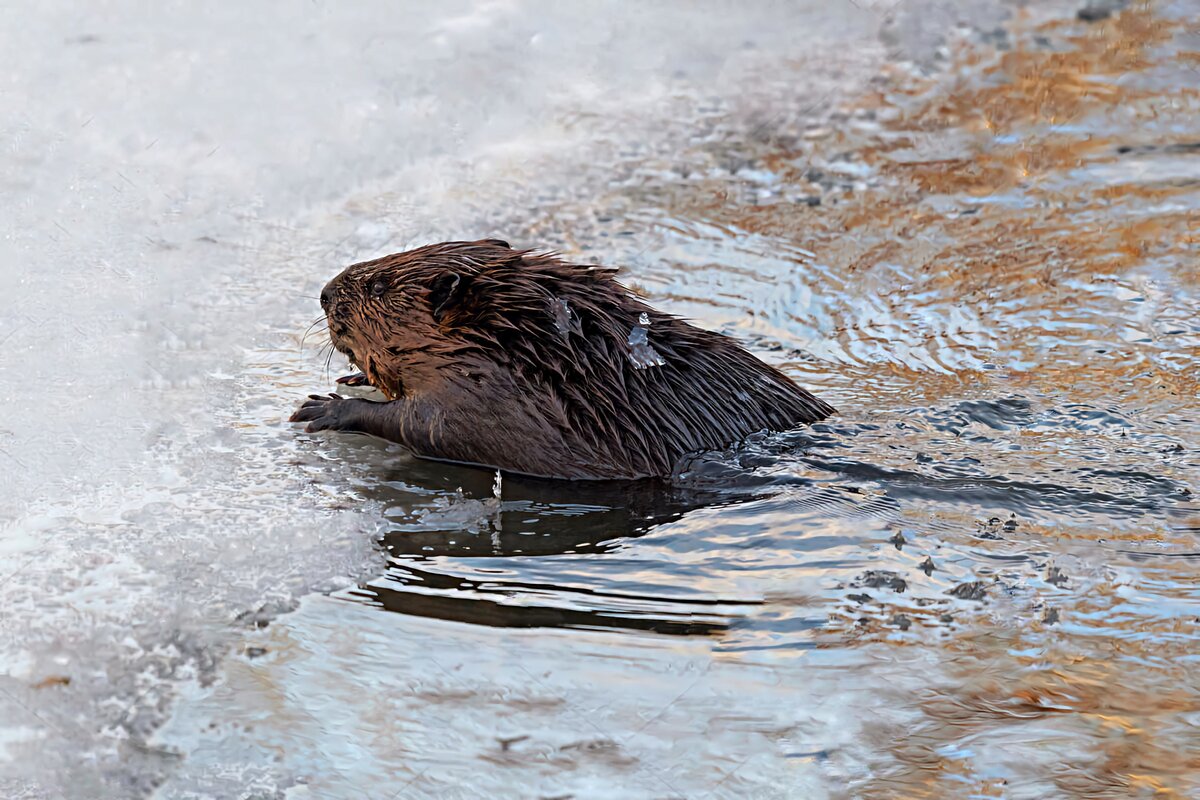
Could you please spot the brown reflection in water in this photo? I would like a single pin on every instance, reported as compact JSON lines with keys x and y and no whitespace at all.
{"x":1113,"y":735}
{"x":1039,"y":85}
{"x":1102,"y":682}
{"x":1099,"y":712}
{"x":981,"y":192}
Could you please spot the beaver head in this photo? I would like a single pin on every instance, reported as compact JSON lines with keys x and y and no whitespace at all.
{"x":395,"y":317}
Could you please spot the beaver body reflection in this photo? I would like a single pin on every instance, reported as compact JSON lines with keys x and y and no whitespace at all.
{"x":526,"y":363}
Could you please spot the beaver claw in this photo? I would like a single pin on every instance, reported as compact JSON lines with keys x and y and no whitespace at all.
{"x":357,"y":379}
{"x":322,"y":413}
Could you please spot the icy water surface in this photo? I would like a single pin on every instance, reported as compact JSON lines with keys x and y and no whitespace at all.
{"x":972,"y":229}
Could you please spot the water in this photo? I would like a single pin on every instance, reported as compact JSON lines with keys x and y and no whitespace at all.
{"x":977,"y":241}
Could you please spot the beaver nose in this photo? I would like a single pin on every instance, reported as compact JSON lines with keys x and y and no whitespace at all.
{"x":327,"y":297}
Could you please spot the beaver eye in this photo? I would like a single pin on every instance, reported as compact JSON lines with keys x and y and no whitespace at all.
{"x":378,"y":288}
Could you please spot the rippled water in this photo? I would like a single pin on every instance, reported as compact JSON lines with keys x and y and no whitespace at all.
{"x":979,"y":579}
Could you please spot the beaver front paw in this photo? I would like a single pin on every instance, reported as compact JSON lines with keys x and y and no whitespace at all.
{"x":330,"y":412}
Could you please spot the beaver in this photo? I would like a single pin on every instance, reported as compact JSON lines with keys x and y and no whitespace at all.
{"x":520,"y":361}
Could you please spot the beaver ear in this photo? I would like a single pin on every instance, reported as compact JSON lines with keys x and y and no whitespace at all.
{"x":444,"y":291}
{"x":499,"y":243}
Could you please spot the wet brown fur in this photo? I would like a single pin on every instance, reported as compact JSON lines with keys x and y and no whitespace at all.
{"x":522,"y":361}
